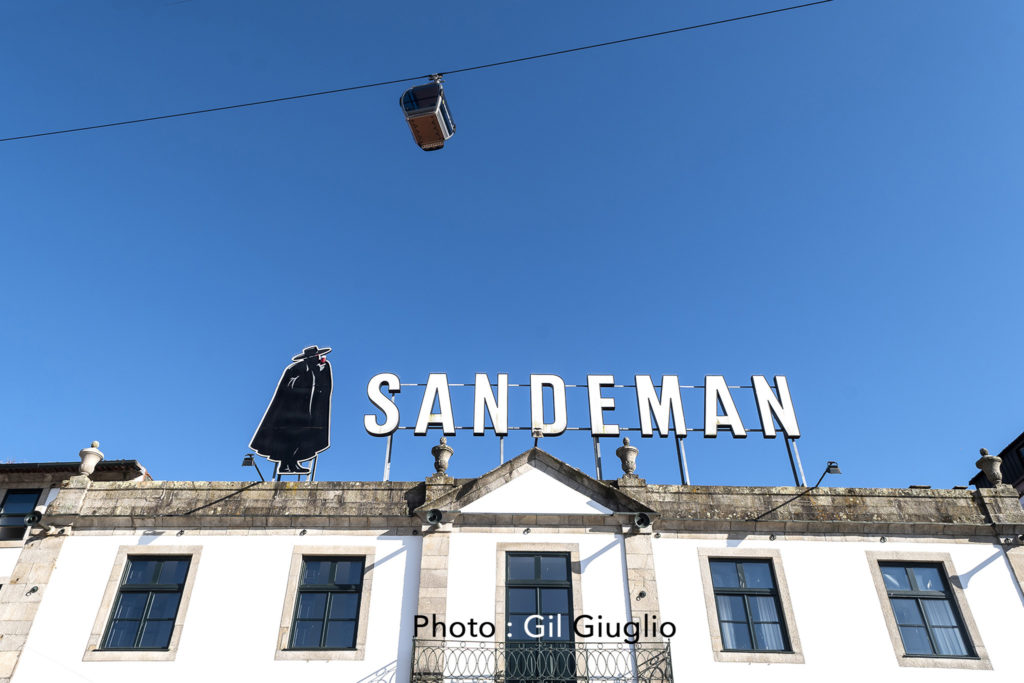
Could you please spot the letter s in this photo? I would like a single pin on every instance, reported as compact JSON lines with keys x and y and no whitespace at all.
{"x":386,"y":405}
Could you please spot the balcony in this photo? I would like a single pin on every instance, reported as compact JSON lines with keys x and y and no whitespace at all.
{"x":448,"y":661}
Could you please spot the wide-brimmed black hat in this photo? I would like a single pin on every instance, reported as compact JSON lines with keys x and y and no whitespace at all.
{"x":312,"y":352}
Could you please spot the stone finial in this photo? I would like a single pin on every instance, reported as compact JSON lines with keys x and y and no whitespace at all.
{"x":627,"y":455}
{"x":990,"y":465}
{"x":90,"y":458}
{"x":442,"y":452}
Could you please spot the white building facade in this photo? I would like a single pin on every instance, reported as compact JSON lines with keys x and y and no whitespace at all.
{"x":532,"y":572}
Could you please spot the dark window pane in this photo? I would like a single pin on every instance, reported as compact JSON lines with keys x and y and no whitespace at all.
{"x":948,"y":641}
{"x":307,"y":634}
{"x":554,"y":568}
{"x":521,"y":567}
{"x":895,"y":578}
{"x":556,"y":627}
{"x":723,"y":574}
{"x":517,"y":628}
{"x":730,"y":608}
{"x":21,"y":502}
{"x":762,"y":608}
{"x":915,"y":640}
{"x":757,"y":575}
{"x":122,"y":634}
{"x":165,"y":606}
{"x":928,"y":579}
{"x":316,"y":572}
{"x":769,"y":637}
{"x":554,"y":600}
{"x":349,"y":572}
{"x":735,"y":636}
{"x":906,"y":612}
{"x":141,"y":572}
{"x":311,"y":606}
{"x":344,"y":606}
{"x":131,"y":606}
{"x":341,"y":634}
{"x":939,"y":613}
{"x":173,"y":571}
{"x":522,"y":600}
{"x":157,"y":634}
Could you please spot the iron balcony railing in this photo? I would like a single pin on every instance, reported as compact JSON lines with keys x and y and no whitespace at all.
{"x":448,"y":661}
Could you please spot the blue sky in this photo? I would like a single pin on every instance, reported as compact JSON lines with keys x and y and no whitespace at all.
{"x":832,"y":194}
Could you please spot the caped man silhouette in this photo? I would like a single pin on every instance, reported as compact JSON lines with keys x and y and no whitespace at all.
{"x":297,"y":424}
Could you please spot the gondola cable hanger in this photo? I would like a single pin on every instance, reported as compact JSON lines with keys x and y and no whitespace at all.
{"x":436,"y":106}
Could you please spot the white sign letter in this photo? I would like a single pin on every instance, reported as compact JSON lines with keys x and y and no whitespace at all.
{"x":386,"y":405}
{"x":717,"y":391}
{"x":599,"y":404}
{"x":537,"y":384}
{"x":669,"y":405}
{"x":483,"y":398}
{"x":781,"y":408}
{"x":437,"y":388}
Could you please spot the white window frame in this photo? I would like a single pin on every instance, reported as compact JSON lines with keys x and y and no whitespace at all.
{"x":94,"y":651}
{"x":796,"y":654}
{"x":979,"y":661}
{"x":291,"y":595}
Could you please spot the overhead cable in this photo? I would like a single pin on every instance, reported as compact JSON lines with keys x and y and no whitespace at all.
{"x":412,"y":78}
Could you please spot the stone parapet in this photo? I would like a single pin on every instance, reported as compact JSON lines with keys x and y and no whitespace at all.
{"x":384,"y":505}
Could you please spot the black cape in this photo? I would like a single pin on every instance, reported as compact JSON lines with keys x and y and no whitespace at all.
{"x":297,"y":423}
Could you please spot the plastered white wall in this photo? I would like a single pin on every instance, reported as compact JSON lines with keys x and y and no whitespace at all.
{"x":8,"y":558}
{"x":837,"y":610}
{"x":235,"y":609}
{"x":539,"y":493}
{"x":233,"y":617}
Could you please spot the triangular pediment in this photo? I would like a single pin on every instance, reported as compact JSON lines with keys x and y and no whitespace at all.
{"x":536,"y":483}
{"x":537,"y":492}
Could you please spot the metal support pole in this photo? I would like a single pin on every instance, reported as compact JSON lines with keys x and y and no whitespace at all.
{"x":312,"y":470}
{"x":597,"y":458}
{"x":684,"y":471}
{"x":387,"y":458}
{"x":501,"y":450}
{"x":793,"y":462}
{"x":277,"y":475}
{"x":799,"y":465}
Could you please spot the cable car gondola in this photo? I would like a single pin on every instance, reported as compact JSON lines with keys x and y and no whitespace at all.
{"x":426,"y":111}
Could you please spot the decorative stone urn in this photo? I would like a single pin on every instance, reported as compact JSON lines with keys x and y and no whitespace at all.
{"x":90,"y":458}
{"x":442,"y":452}
{"x":627,"y":455}
{"x":989,"y":464}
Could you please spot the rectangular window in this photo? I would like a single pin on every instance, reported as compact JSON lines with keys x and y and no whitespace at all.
{"x":327,"y":606}
{"x":538,"y":602}
{"x":147,"y":603}
{"x":926,"y":614}
{"x":747,"y":601}
{"x":16,"y":504}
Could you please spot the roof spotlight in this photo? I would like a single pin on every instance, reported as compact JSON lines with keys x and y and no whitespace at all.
{"x":249,"y":461}
{"x":831,"y":468}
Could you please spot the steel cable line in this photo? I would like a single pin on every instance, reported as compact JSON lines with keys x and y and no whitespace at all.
{"x":413,"y":78}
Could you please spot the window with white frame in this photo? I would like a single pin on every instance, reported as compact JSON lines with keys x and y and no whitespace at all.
{"x":15,"y":505}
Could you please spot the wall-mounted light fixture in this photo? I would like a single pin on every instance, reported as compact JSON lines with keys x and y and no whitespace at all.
{"x":249,"y":461}
{"x":831,"y":468}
